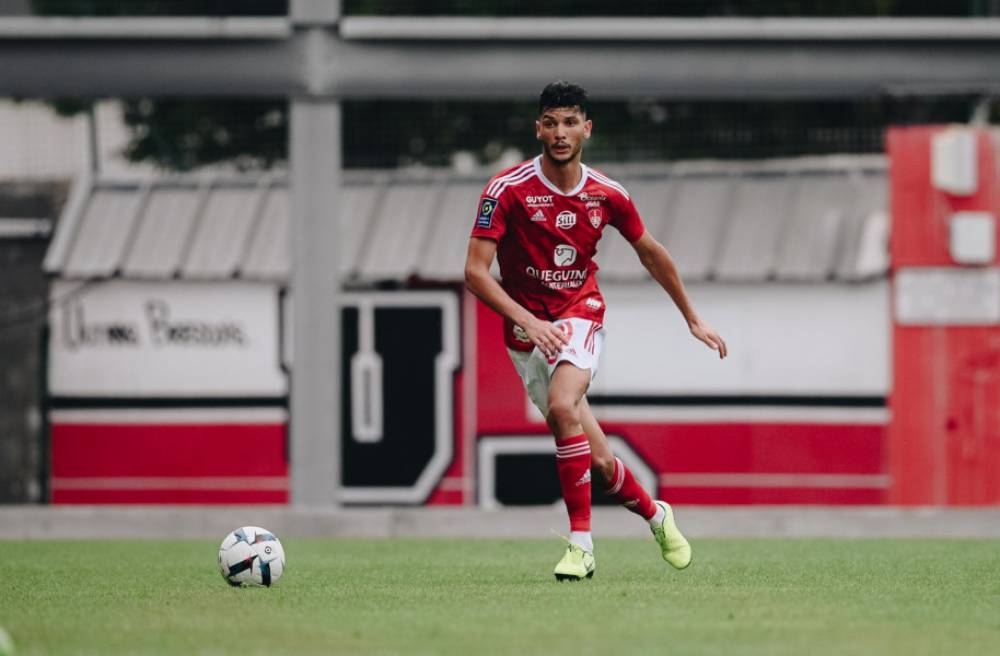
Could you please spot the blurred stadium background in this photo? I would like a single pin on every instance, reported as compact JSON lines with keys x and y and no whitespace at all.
{"x":149,"y":251}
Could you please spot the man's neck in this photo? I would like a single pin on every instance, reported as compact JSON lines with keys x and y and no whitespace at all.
{"x":564,"y":176}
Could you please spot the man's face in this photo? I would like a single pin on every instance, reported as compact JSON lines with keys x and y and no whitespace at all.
{"x":562,"y":131}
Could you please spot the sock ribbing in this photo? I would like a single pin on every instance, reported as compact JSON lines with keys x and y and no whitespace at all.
{"x":625,"y":489}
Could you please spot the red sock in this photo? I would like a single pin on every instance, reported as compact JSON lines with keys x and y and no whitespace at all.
{"x":626,"y":490}
{"x":573,"y":463}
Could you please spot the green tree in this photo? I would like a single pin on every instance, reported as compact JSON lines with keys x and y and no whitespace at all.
{"x":181,"y":135}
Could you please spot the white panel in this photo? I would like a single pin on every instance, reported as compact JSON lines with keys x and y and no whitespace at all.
{"x":757,"y":217}
{"x":147,"y":416}
{"x":356,"y":221}
{"x":400,"y":232}
{"x":103,"y":233}
{"x":165,"y":339}
{"x":698,"y":215}
{"x":18,"y":228}
{"x":865,"y":234}
{"x":221,"y":234}
{"x":972,"y":237}
{"x":953,"y":161}
{"x":163,"y":232}
{"x":38,"y":143}
{"x":444,"y":257}
{"x":269,"y":253}
{"x":809,"y":242}
{"x":872,"y":253}
{"x":931,"y":296}
{"x":800,"y":339}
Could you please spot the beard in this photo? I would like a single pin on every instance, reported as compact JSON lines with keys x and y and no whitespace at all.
{"x":566,"y":158}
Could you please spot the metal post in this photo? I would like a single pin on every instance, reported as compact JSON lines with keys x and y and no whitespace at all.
{"x":315,"y":156}
{"x":94,"y":148}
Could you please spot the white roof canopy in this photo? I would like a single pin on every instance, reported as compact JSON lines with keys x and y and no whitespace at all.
{"x":785,"y":220}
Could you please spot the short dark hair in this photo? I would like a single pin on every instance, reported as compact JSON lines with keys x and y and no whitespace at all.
{"x":563,"y":94}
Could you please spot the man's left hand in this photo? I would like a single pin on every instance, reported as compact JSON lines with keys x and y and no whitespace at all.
{"x":707,"y":334}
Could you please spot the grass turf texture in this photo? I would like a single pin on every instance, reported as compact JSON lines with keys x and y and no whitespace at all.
{"x":482,"y":597}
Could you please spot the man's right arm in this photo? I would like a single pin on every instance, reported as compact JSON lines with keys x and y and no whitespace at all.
{"x":543,"y":334}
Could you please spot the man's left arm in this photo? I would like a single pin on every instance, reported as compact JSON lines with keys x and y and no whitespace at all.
{"x":655,"y":257}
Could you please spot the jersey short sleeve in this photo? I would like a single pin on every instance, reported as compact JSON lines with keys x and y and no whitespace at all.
{"x":491,"y":218}
{"x":626,"y":219}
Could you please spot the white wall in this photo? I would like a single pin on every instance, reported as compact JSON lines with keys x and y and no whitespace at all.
{"x":125,"y":338}
{"x":794,"y":339}
{"x":39,"y":144}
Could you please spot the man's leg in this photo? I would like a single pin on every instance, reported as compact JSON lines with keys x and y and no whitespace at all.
{"x":567,"y":386}
{"x":617,"y":480}
{"x":602,"y":460}
{"x":566,"y":389}
{"x":620,"y":484}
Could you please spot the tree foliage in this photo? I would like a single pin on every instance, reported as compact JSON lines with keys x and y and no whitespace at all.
{"x":181,"y":135}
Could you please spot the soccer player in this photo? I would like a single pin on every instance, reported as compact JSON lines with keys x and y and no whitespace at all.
{"x":543,"y":219}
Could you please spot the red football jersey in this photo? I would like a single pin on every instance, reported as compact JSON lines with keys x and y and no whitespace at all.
{"x":546,"y":240}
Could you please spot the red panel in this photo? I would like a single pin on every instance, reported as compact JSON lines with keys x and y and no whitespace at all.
{"x":803,"y":449}
{"x":170,"y":496}
{"x":917,"y":460}
{"x":164,"y":451}
{"x":946,"y":421}
{"x":973,"y":425}
{"x":919,"y":231}
{"x":758,"y":448}
{"x":442,"y":497}
{"x":919,"y":212}
{"x":945,"y":432}
{"x":94,"y":450}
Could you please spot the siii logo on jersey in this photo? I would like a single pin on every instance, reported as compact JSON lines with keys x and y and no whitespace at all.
{"x":538,"y":217}
{"x":566,"y":220}
{"x":536,"y":201}
{"x":596,"y":218}
{"x":564,"y":255}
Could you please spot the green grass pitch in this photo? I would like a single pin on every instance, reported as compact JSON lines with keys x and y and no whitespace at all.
{"x":478,"y":597}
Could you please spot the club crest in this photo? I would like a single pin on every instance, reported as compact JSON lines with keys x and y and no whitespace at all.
{"x":596,"y":218}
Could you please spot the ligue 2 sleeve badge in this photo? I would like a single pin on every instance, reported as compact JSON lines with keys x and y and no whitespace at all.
{"x":486,"y":209}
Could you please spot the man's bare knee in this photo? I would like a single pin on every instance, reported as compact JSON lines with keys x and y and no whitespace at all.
{"x":563,"y":411}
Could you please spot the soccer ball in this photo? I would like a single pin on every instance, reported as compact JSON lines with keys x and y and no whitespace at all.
{"x":252,"y":556}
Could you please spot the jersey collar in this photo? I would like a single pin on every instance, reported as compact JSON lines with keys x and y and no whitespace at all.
{"x":545,"y":181}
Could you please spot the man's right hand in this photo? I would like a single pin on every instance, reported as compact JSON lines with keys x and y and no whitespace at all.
{"x":548,"y":337}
